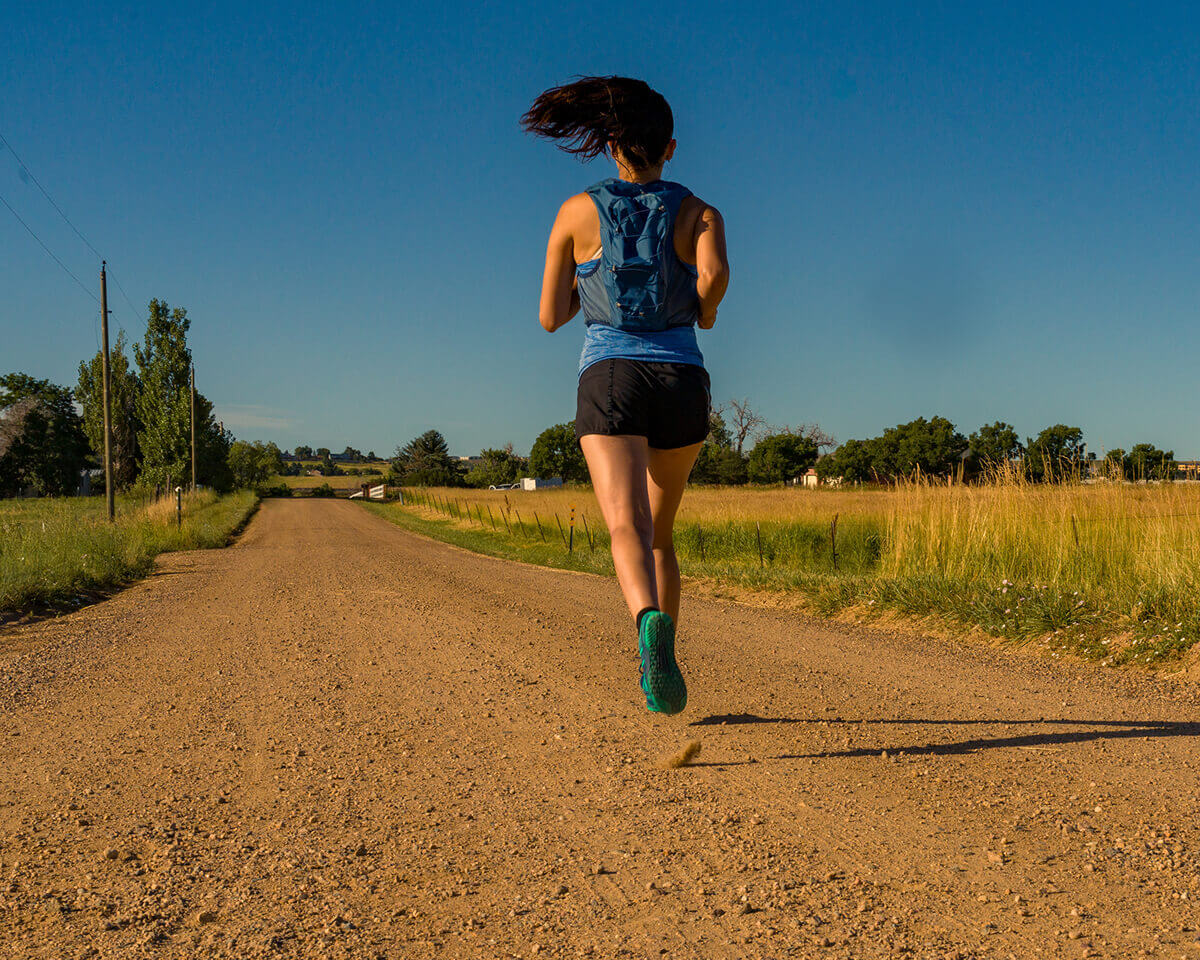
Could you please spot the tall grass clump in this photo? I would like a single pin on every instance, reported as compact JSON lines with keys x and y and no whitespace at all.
{"x":57,"y":552}
{"x":1077,"y":561}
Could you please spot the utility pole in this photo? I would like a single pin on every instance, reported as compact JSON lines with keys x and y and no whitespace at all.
{"x":109,"y":493}
{"x":193,"y":427}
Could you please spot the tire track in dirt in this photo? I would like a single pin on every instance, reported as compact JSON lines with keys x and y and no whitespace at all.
{"x":335,"y":739}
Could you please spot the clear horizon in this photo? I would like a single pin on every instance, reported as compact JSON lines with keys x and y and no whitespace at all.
{"x":983,"y":213}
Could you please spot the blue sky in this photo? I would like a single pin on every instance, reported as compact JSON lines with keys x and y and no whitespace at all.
{"x":983,"y":211}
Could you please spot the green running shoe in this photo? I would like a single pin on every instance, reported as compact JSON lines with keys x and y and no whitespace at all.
{"x":662,"y":683}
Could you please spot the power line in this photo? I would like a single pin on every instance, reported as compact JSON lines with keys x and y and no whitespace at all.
{"x":45,"y":194}
{"x":132,"y":308}
{"x":48,"y":250}
{"x":59,"y":210}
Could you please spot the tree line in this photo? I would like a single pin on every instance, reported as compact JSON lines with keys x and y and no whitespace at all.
{"x":46,"y":443}
{"x":935,"y":448}
{"x":742,"y":448}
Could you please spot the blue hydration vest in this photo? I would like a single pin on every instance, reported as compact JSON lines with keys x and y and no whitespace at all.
{"x":638,"y":298}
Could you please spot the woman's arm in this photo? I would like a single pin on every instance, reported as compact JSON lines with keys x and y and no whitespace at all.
{"x":712,"y":266}
{"x":560,"y":297}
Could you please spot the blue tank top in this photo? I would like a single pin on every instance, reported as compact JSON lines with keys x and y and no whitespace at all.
{"x":638,"y":298}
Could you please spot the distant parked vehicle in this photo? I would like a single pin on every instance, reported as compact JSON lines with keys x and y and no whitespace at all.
{"x":505,"y":486}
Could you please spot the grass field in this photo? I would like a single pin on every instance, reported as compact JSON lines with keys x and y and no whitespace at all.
{"x":371,"y":472}
{"x":57,"y":552}
{"x":1108,"y":571}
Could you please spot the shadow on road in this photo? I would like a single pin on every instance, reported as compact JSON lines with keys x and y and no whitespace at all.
{"x":1100,"y":730}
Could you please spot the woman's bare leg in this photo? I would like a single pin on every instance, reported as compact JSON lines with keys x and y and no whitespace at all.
{"x":667,"y":473}
{"x":619,"y":467}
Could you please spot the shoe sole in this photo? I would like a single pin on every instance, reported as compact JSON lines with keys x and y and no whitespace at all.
{"x":662,"y":683}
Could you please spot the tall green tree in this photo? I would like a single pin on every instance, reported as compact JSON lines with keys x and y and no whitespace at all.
{"x":497,"y":466}
{"x":1146,"y":462}
{"x":556,"y":453}
{"x":164,"y":362}
{"x":124,"y":389}
{"x":163,"y":408}
{"x":42,"y":444}
{"x":253,"y":463}
{"x":932,"y":447}
{"x":718,"y":461}
{"x":780,"y":457}
{"x":995,"y":444}
{"x":425,"y":461}
{"x":1056,"y":454}
{"x":851,"y":462}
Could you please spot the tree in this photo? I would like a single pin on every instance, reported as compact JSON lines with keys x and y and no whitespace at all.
{"x":1056,"y":453}
{"x":322,"y":453}
{"x":304,"y":452}
{"x":852,"y":462}
{"x":371,"y":455}
{"x":995,"y":444}
{"x":932,"y":447}
{"x":810,"y":431}
{"x":350,"y":453}
{"x":123,"y":390}
{"x":42,"y":444}
{"x":717,"y":461}
{"x":425,"y":462}
{"x":716,"y":464}
{"x":163,"y":408}
{"x":163,"y":405}
{"x":327,"y":468}
{"x":1146,"y":462}
{"x":212,"y":448}
{"x":497,"y":466}
{"x":556,"y":453}
{"x":781,"y":457}
{"x":745,"y":422}
{"x":253,"y":463}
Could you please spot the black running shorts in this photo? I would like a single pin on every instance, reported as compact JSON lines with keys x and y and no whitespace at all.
{"x":667,"y":403}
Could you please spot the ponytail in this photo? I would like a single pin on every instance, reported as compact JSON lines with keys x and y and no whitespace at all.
{"x":592,"y":112}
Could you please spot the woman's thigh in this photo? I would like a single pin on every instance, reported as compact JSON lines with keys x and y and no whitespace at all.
{"x":619,"y":467}
{"x":667,"y":473}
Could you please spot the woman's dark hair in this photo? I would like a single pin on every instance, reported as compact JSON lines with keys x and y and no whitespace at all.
{"x":592,"y":112}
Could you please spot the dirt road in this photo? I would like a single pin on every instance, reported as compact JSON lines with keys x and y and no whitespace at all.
{"x":335,"y":739}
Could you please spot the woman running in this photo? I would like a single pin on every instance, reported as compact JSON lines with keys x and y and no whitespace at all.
{"x":645,"y":260}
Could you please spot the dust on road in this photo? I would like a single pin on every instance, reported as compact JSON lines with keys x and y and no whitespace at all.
{"x":335,"y":739}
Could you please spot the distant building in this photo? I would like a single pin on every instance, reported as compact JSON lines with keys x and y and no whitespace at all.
{"x":1187,"y":469}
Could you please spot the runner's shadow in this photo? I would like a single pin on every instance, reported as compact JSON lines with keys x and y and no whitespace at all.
{"x":1101,"y":730}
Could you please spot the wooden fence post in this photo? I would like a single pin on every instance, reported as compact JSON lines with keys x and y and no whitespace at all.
{"x":571,"y":524}
{"x":833,"y":541}
{"x":700,"y":537}
{"x":758,"y":537}
{"x":591,"y":545}
{"x":1075,"y":530}
{"x":490,"y":517}
{"x":538,"y":521}
{"x":560,"y":528}
{"x":520,"y":523}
